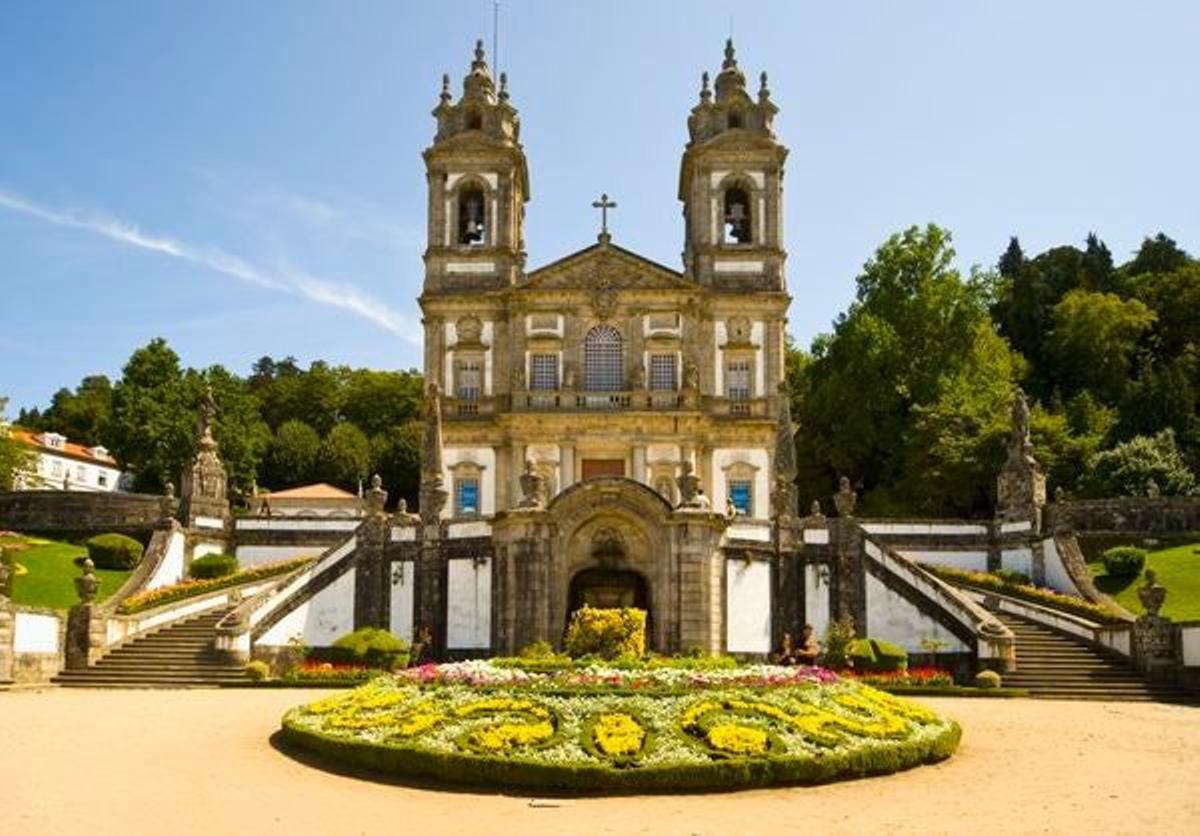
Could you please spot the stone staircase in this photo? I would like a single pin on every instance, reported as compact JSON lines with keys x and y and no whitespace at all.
{"x":1054,"y":665}
{"x":177,"y":656}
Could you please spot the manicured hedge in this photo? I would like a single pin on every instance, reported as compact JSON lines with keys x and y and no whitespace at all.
{"x":621,"y":739}
{"x":213,"y":566}
{"x":1124,"y":561}
{"x":607,"y":633}
{"x":986,"y":582}
{"x":372,"y":647}
{"x":877,"y":655}
{"x":114,"y":551}
{"x":486,"y":771}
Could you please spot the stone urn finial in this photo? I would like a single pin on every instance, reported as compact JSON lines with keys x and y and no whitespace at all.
{"x":87,"y":584}
{"x":814,"y":510}
{"x":376,"y":497}
{"x":1152,"y":594}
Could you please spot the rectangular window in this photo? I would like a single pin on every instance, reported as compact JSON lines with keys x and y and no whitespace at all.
{"x":102,"y":480}
{"x":741,"y":494}
{"x":737,"y":380}
{"x":466,"y":497}
{"x":663,"y":375}
{"x":468,"y":379}
{"x":543,"y":372}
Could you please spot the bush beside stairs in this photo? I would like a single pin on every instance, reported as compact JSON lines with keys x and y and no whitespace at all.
{"x":179,"y":655}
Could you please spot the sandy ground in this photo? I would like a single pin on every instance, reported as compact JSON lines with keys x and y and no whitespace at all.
{"x":134,"y":762}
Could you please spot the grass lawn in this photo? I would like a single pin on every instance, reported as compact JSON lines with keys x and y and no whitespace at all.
{"x":46,"y":572}
{"x":1178,"y":570}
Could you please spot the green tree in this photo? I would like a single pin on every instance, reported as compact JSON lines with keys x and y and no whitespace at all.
{"x":153,"y":417}
{"x":83,"y":415}
{"x":345,"y":456}
{"x":1159,"y":254}
{"x":376,"y":401}
{"x":14,"y":457}
{"x":1129,"y":468}
{"x":293,"y":455}
{"x":396,"y":456}
{"x":1093,"y":341}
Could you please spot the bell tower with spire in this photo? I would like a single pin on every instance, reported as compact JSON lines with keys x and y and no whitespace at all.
{"x":731,"y":185}
{"x":478,"y":185}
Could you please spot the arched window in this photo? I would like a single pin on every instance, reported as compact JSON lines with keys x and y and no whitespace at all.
{"x":603,"y":364}
{"x":474,"y":121}
{"x":471,"y":227}
{"x":735,"y":119}
{"x":737,"y":216}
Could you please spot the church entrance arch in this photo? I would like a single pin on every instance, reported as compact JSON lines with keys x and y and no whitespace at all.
{"x":608,"y":588}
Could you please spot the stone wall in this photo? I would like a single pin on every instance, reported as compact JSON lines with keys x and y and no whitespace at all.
{"x":79,"y":512}
{"x":1132,"y":514}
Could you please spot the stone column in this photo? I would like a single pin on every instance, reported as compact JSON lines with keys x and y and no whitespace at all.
{"x":566,"y":466}
{"x":639,"y":463}
{"x":701,"y":612}
{"x":849,"y":595}
{"x":372,"y":576}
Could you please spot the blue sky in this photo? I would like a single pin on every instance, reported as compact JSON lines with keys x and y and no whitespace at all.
{"x":245,"y":178}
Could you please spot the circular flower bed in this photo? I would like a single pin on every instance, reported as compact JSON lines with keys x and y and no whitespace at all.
{"x":600,"y":728}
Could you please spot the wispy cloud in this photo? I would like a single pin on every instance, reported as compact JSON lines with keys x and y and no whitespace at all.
{"x":322,"y":291}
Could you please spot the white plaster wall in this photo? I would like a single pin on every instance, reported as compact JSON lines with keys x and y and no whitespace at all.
{"x":893,"y":618}
{"x":475,"y":528}
{"x":1018,"y":560}
{"x":170,"y":571}
{"x":816,"y":536}
{"x":742,"y":531}
{"x":276,"y":524}
{"x":971,"y":561}
{"x":1019,"y":525}
{"x":747,"y":606}
{"x":485,"y":458}
{"x":760,"y":459}
{"x":469,"y":604}
{"x":816,"y":598}
{"x":1056,"y":573}
{"x":964,"y":530}
{"x":257,"y":555}
{"x":1191,"y":646}
{"x":209,"y":522}
{"x":208,"y":547}
{"x":400,"y":620}
{"x":321,"y":620}
{"x":35,"y":633}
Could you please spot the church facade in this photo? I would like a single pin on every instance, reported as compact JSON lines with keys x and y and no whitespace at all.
{"x":608,"y":424}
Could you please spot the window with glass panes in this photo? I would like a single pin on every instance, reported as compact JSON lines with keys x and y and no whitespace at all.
{"x":603,"y":367}
{"x":737,"y":380}
{"x":543,"y":371}
{"x":466,"y":496}
{"x":741,"y":494}
{"x":468,"y":378}
{"x":663,"y":372}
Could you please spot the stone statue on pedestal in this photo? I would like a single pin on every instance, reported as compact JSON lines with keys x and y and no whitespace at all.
{"x":533,"y":487}
{"x":205,"y":484}
{"x":1021,"y":485}
{"x":846,"y":498}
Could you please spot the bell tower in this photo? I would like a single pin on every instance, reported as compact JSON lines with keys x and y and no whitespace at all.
{"x":731,"y":185}
{"x":478,"y":185}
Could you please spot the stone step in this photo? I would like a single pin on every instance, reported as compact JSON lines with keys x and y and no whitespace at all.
{"x":222,"y":675}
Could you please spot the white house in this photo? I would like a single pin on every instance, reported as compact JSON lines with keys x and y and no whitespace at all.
{"x":60,"y":464}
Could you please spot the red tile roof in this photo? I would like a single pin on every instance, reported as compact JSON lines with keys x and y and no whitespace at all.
{"x":69,"y":449}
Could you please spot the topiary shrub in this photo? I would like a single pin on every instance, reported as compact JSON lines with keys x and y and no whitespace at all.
{"x":373,"y":647}
{"x":257,"y":671}
{"x":114,"y":551}
{"x":213,"y":566}
{"x":987,"y":679}
{"x":877,"y":656}
{"x":607,"y":633}
{"x":1124,"y":561}
{"x":839,"y":636}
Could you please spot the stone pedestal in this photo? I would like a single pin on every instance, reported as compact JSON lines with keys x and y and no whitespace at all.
{"x":701,"y":562}
{"x":372,"y":579}
{"x":849,"y":595}
{"x":1156,"y":647}
{"x":85,"y":636}
{"x":522,"y":580}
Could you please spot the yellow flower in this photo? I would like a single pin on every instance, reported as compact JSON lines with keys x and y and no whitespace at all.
{"x":738,"y":740}
{"x":618,"y":735}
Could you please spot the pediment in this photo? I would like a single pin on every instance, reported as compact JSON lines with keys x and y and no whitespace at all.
{"x":606,"y":265}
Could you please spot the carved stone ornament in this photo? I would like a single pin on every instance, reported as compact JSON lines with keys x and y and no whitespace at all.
{"x":845,"y":499}
{"x":1152,"y":594}
{"x":737,"y":330}
{"x":87,"y":584}
{"x":604,"y":298}
{"x":376,"y":497}
{"x":689,"y":487}
{"x":469,"y":330}
{"x":608,"y":546}
{"x":533,"y":486}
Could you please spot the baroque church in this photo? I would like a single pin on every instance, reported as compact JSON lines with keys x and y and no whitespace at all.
{"x":610,"y":425}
